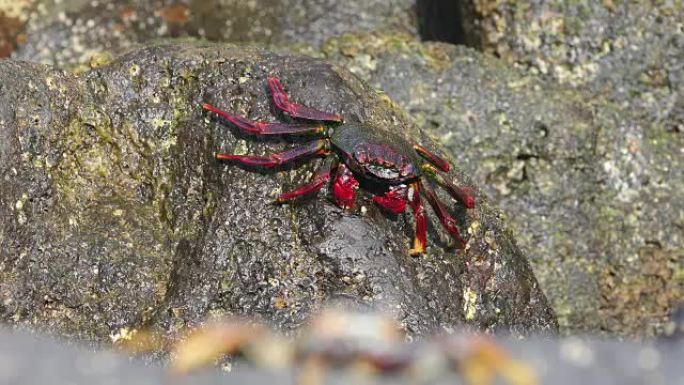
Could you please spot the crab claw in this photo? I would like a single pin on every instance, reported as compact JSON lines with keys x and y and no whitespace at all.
{"x":344,"y":187}
{"x":393,"y":201}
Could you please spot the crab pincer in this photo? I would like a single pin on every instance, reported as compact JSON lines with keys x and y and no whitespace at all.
{"x":357,"y":154}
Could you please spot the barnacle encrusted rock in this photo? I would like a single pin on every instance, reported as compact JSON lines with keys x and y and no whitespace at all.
{"x":115,"y":215}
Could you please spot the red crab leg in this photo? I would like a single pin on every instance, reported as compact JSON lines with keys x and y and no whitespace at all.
{"x":263,"y":128}
{"x":318,"y":147}
{"x":393,"y":201}
{"x":319,"y":180}
{"x":435,"y":160}
{"x":463,"y":195}
{"x":282,"y":102}
{"x":447,"y":220}
{"x":344,"y":187}
{"x":420,"y":238}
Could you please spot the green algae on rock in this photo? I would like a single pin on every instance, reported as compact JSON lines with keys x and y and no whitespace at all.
{"x":115,"y":214}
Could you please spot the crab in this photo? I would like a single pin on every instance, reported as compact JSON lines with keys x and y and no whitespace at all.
{"x":377,"y":159}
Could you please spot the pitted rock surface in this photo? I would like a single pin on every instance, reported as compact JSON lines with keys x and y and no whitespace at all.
{"x":592,"y":189}
{"x":115,"y":214}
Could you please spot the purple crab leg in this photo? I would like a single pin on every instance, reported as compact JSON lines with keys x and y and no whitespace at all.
{"x":435,"y":160}
{"x":318,"y":182}
{"x":283,"y":103}
{"x":263,"y":128}
{"x":420,"y":239}
{"x":447,"y":220}
{"x":344,"y":187}
{"x":318,"y":147}
{"x":463,"y":195}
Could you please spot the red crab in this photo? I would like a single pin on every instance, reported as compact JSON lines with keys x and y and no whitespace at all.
{"x":357,"y":154}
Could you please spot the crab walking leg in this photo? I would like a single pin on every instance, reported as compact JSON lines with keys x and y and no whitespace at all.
{"x":463,"y":195}
{"x":319,"y":180}
{"x":435,"y":160}
{"x":344,"y":187}
{"x":263,"y":128}
{"x":283,"y":103}
{"x":420,"y":238}
{"x":318,"y":147}
{"x":447,"y":220}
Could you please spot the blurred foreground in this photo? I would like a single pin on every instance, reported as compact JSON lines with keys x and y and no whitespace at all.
{"x":344,"y":348}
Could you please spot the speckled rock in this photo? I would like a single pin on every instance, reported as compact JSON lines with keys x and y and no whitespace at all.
{"x":116,"y":215}
{"x":629,"y":51}
{"x":69,"y":33}
{"x":594,"y":192}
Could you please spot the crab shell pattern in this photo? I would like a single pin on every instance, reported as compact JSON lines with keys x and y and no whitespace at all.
{"x":356,"y":155}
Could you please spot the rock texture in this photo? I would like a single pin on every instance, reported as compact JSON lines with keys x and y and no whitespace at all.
{"x":115,"y":214}
{"x":594,"y":191}
{"x":69,"y":33}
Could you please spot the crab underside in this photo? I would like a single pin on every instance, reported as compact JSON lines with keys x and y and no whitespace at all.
{"x":355,"y":152}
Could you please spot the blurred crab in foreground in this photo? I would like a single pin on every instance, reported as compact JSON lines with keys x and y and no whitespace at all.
{"x":358,"y":346}
{"x":376,"y":158}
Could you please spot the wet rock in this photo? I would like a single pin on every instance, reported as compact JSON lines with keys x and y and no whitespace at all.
{"x":631,"y":52}
{"x":69,"y":33}
{"x":592,"y":190}
{"x":115,"y":214}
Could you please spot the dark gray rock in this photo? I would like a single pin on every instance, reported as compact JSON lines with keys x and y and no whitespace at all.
{"x":68,"y":33}
{"x":631,"y":52}
{"x":116,"y":215}
{"x":594,"y":192}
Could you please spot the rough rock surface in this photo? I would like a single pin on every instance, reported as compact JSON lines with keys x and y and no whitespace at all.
{"x":629,"y":51}
{"x":116,"y":215}
{"x":595,"y":193}
{"x":69,"y":32}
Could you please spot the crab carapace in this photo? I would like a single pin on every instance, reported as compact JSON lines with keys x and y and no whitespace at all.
{"x":354,"y":152}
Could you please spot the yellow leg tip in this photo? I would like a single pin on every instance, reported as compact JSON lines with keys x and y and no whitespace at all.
{"x":417,"y":251}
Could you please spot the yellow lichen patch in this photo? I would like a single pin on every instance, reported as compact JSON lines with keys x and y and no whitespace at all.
{"x":134,"y":70}
{"x":158,"y":123}
{"x":366,"y":47}
{"x":121,"y":334}
{"x":50,"y":83}
{"x":137,"y":341}
{"x":100,"y":59}
{"x":474,"y":227}
{"x":469,"y":303}
{"x":20,"y":203}
{"x":279,"y":303}
{"x":436,"y":55}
